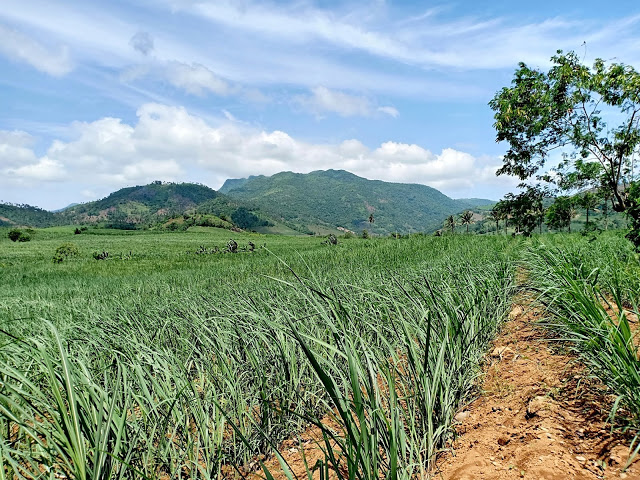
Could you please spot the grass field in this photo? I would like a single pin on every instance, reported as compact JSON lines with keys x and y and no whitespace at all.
{"x":160,"y":362}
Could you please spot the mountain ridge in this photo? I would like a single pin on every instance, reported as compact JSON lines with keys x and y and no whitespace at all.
{"x":323,"y":201}
{"x":339,"y":198}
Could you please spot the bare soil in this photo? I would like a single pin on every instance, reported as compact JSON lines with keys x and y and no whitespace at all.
{"x":538,"y":415}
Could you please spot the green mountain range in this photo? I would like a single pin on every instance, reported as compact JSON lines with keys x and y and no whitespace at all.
{"x":337,"y":198}
{"x":318,"y":202}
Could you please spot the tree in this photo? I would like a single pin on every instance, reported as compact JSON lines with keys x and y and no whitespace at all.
{"x":466,"y":218}
{"x":589,"y":114}
{"x":450,"y":223}
{"x":496,"y":215}
{"x":560,"y":213}
{"x":588,"y":201}
{"x":371,"y":219}
{"x":525,"y":209}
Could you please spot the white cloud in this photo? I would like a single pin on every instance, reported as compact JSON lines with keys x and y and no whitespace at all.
{"x":169,"y":143}
{"x":195,"y":79}
{"x":15,"y":149}
{"x":18,"y":46}
{"x":391,"y":111}
{"x":323,"y":100}
{"x":44,"y":170}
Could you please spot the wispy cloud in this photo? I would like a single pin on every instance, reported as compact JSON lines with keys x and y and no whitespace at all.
{"x":324,"y":100}
{"x":18,"y":46}
{"x":426,"y":40}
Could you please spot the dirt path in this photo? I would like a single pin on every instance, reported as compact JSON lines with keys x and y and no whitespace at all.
{"x":537,"y":417}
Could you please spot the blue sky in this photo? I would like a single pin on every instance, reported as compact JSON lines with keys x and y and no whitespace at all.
{"x":100,"y":95}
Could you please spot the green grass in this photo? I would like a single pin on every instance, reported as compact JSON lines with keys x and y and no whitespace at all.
{"x":169,"y":364}
{"x":589,"y":289}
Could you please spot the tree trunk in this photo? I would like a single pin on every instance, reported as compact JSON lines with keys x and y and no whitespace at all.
{"x":497,"y":227}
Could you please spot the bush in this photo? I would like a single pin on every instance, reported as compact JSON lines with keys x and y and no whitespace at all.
{"x":14,"y":234}
{"x":365,"y":233}
{"x":64,"y":251}
{"x":17,"y":235}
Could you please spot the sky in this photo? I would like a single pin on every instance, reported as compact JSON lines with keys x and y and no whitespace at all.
{"x":99,"y":95}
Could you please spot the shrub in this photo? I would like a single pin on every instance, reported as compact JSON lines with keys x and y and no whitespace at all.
{"x":77,"y":231}
{"x":365,"y":233}
{"x":24,"y":237}
{"x":14,"y":234}
{"x":101,"y":255}
{"x":64,"y":251}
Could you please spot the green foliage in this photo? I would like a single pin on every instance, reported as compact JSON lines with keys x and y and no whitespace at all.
{"x":338,"y":198}
{"x":243,"y":218}
{"x":634,"y":214}
{"x":365,"y":233}
{"x":184,"y":363}
{"x":26,"y":215}
{"x":560,"y":213}
{"x":64,"y":251}
{"x":14,"y":234}
{"x":466,"y":218}
{"x":450,"y":223}
{"x":589,"y":201}
{"x":591,"y":113}
{"x":590,"y":292}
{"x":525,"y":209}
{"x":18,"y":235}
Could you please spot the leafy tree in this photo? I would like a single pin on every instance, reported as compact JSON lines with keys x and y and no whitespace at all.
{"x":466,"y":218}
{"x":589,"y":114}
{"x":560,"y":213}
{"x":525,"y":209}
{"x":450,"y":223}
{"x":588,"y":201}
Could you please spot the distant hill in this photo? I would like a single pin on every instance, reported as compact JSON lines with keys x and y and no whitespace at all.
{"x":336,"y":198}
{"x":141,"y":204}
{"x":25,"y":215}
{"x":179,"y":205}
{"x":477,"y":202}
{"x":65,"y":208}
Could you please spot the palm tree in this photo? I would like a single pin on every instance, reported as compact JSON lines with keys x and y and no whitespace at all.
{"x":466,"y":218}
{"x":496,"y":215}
{"x":450,"y":222}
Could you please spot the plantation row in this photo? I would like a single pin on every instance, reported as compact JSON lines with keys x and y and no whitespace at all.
{"x":174,"y":365}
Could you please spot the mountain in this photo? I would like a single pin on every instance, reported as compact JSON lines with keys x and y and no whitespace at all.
{"x":65,"y":208}
{"x":25,"y":215}
{"x":477,"y":202}
{"x":177,"y":205}
{"x":336,"y":198}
